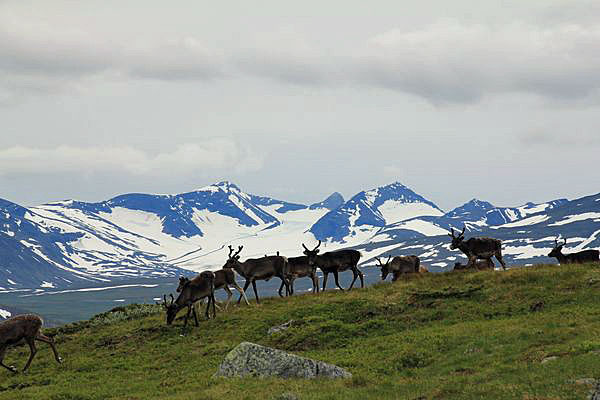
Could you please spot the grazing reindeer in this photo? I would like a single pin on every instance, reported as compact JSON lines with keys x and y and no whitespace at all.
{"x":477,"y":248}
{"x":194,"y":290}
{"x":479,"y":265}
{"x":399,"y":265}
{"x":335,"y":262}
{"x":223,"y":279}
{"x":258,"y":269}
{"x":298,"y":267}
{"x":573,"y":258}
{"x":23,"y":327}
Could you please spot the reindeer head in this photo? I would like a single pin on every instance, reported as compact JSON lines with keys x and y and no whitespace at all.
{"x":183,"y":281}
{"x":311,"y":254}
{"x":557,"y":250}
{"x":171,"y":309}
{"x":456,"y":240}
{"x":385,"y":268}
{"x":233,"y":259}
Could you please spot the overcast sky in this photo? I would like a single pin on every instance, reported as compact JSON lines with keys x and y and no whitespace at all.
{"x":461,"y":99}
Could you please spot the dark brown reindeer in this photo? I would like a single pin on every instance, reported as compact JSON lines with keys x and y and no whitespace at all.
{"x":298,"y":267}
{"x":479,"y":265}
{"x":194,"y":290}
{"x":23,"y":327}
{"x":573,"y":258}
{"x":482,"y":248}
{"x":223,"y":279}
{"x":399,"y":265}
{"x":335,"y":262}
{"x":258,"y":269}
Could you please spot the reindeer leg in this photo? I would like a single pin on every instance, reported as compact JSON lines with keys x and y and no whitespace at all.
{"x":355,"y":275}
{"x":315,"y":282}
{"x":499,"y":257}
{"x":291,"y":285}
{"x":360,"y":275}
{"x":280,"y":289}
{"x":187,"y":315}
{"x":33,"y":351}
{"x":472,"y":262}
{"x":337,"y":282}
{"x":325,"y":280}
{"x":195,"y":314}
{"x":50,"y":341}
{"x":255,"y":292}
{"x":229,"y":296}
{"x":245,"y":288}
{"x":212,"y":299}
{"x":8,"y":367}
{"x":242,"y":293}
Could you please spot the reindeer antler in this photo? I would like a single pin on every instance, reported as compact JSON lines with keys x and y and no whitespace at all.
{"x":317,"y":246}
{"x":239,"y":250}
{"x":230,"y":251}
{"x":463,"y":231}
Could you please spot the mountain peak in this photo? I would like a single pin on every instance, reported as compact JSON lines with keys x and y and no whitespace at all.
{"x":227,"y":186}
{"x":332,"y":202}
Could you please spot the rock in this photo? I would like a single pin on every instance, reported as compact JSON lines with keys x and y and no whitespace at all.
{"x":596,"y":393}
{"x":583,"y":381}
{"x":548,"y":359}
{"x":287,"y":396}
{"x":249,"y":359}
{"x":279,"y":328}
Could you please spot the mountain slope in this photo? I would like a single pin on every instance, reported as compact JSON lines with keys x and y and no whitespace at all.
{"x":463,"y":335}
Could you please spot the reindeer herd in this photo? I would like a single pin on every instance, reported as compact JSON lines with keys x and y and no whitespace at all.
{"x":193,"y":292}
{"x":479,"y":252}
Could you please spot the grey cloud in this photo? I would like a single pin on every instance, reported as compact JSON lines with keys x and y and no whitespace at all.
{"x":212,"y":154}
{"x":559,"y":138}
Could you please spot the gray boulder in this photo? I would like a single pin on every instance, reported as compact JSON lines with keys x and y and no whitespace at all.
{"x":249,"y":359}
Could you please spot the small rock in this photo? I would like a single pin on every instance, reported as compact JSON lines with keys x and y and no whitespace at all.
{"x":249,"y":359}
{"x":548,"y":359}
{"x":596,"y":393}
{"x":279,"y":328}
{"x":287,"y":396}
{"x":585,"y":381}
{"x":536,"y":307}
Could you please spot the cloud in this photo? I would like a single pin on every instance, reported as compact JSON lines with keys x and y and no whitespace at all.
{"x":447,"y":61}
{"x":451,"y":62}
{"x":558,"y":137}
{"x":219,"y":154}
{"x":39,"y":59}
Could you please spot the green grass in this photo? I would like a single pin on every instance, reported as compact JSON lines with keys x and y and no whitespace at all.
{"x":463,"y":335}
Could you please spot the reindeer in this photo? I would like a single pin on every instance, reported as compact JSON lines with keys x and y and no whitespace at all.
{"x":223,"y":279}
{"x":573,"y":258}
{"x":23,"y":327}
{"x":298,"y":267}
{"x":477,"y":248}
{"x":399,"y":265}
{"x":258,"y":269}
{"x":200,"y":287}
{"x":479,"y":265}
{"x":335,"y":262}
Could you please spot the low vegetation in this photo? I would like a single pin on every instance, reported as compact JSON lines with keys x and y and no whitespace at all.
{"x":528,"y":333}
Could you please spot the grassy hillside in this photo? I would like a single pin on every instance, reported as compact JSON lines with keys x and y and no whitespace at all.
{"x":468,"y":335}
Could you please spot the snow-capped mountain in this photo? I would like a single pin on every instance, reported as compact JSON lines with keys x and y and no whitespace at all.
{"x":527,"y":238}
{"x":476,"y":215}
{"x":141,"y":235}
{"x":368,"y":211}
{"x":132,"y":236}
